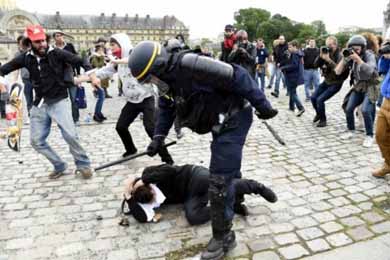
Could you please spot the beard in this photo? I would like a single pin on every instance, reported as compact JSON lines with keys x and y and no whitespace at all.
{"x":41,"y":51}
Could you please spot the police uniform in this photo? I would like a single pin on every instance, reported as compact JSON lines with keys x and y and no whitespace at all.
{"x":207,"y":96}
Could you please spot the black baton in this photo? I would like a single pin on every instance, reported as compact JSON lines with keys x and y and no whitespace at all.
{"x":274,"y":133}
{"x":128,"y":158}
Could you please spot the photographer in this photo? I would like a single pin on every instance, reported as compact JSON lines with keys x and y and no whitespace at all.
{"x":311,"y":74}
{"x":330,"y":56}
{"x":383,"y":118}
{"x":364,"y":80}
{"x":244,"y":53}
{"x":228,"y":42}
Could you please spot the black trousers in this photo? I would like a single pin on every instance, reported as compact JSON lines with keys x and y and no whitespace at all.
{"x":128,"y":114}
{"x":195,"y":205}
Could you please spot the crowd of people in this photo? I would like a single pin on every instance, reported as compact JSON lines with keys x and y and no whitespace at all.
{"x":206,"y":95}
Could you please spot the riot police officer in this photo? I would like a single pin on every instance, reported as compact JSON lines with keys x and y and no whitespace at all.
{"x":207,"y":96}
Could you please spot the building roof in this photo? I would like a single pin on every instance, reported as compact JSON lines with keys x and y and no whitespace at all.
{"x":115,"y":22}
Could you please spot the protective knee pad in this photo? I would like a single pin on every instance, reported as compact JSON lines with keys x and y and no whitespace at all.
{"x":217,"y":197}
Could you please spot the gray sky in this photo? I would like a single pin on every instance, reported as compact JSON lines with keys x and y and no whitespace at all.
{"x":207,"y":18}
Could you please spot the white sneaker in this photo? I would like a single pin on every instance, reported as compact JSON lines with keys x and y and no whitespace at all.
{"x":347,"y":135}
{"x":368,"y":141}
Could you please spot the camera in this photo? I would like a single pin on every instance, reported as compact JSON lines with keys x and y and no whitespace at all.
{"x":325,"y":50}
{"x":347,"y":52}
{"x":385,"y":49}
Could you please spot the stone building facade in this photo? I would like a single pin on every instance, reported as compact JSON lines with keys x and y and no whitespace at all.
{"x":386,"y":22}
{"x":84,"y":29}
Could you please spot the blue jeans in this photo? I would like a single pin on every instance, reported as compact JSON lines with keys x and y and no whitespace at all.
{"x":40,"y":126}
{"x":312,"y":78}
{"x":322,"y":94}
{"x":261,"y":76}
{"x":273,"y":74}
{"x":75,"y":108}
{"x":368,"y":111}
{"x":99,"y":101}
{"x":380,"y":100}
{"x":279,"y":76}
{"x":28,"y":94}
{"x":226,"y":154}
{"x":293,"y":96}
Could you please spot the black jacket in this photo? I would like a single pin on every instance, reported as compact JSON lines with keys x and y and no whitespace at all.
{"x":327,"y":69}
{"x":280,"y":54}
{"x":311,"y":55}
{"x":49,"y":76}
{"x":173,"y":181}
{"x":69,"y":47}
{"x":245,"y":56}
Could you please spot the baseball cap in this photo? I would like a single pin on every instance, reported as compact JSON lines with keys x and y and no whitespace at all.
{"x":35,"y":32}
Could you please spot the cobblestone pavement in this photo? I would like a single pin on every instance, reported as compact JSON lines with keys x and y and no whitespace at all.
{"x":327,"y":197}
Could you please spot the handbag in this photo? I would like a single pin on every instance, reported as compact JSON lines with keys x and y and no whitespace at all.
{"x":81,"y":100}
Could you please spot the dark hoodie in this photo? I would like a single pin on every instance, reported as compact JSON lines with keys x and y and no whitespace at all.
{"x":293,"y":68}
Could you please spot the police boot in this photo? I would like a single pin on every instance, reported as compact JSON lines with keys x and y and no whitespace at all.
{"x":223,"y":238}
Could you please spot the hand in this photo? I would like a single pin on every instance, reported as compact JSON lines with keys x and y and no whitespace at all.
{"x":242,"y":50}
{"x":157,"y":217}
{"x":77,"y":81}
{"x":325,"y":56}
{"x":235,"y":47}
{"x":2,"y":88}
{"x":266,"y":113}
{"x":137,"y":185}
{"x":355,"y":57}
{"x":95,"y":82}
{"x":129,"y":187}
{"x":155,"y":145}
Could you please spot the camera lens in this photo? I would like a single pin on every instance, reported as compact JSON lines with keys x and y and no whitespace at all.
{"x":347,"y":53}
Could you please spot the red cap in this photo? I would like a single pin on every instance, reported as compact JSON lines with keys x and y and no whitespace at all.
{"x":35,"y":32}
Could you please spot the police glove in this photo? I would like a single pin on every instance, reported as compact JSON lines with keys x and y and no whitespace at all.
{"x":155,"y":145}
{"x":266,"y":113}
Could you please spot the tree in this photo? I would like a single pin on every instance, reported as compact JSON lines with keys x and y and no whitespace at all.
{"x":250,"y":20}
{"x":205,"y":42}
{"x":319,"y":27}
{"x":342,"y":38}
{"x":305,"y":32}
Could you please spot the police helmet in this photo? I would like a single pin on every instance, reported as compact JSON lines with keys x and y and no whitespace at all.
{"x":172,"y":45}
{"x":147,"y":58}
{"x":357,"y":40}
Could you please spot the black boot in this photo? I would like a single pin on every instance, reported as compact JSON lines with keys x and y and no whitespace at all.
{"x":97,"y":118}
{"x":102,"y":116}
{"x":316,"y":119}
{"x":322,"y":123}
{"x":240,"y":208}
{"x":106,"y":93}
{"x":223,"y":239}
{"x":268,"y":194}
{"x":244,"y":186}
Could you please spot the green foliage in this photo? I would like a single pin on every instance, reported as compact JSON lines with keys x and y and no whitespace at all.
{"x":343,"y":38}
{"x":260,"y":23}
{"x":250,"y":20}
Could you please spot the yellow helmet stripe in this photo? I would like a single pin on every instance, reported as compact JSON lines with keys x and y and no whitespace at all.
{"x":156,"y":51}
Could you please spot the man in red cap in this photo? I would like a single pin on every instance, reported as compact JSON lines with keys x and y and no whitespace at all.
{"x":47,"y":67}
